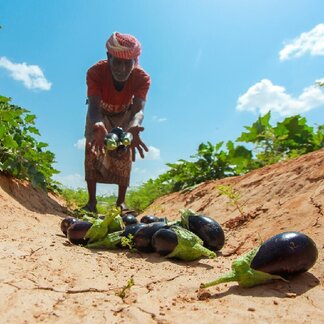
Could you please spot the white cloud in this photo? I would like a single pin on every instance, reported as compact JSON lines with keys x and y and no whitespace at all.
{"x":32,"y":76}
{"x":80,"y":144}
{"x":264,"y":96}
{"x":158,"y":119}
{"x":153,"y":153}
{"x":311,"y":42}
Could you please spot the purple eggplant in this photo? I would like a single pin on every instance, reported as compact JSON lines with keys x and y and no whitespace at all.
{"x":66,"y":223}
{"x":205,"y":228}
{"x":132,"y":229}
{"x":77,"y":232}
{"x":164,"y":241}
{"x":143,"y":237}
{"x":285,"y":254}
{"x":148,"y":219}
{"x":278,"y":258}
{"x":129,"y":219}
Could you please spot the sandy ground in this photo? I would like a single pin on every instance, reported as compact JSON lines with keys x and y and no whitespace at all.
{"x":43,"y":278}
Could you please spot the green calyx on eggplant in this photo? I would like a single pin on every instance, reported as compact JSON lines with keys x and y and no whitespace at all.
{"x":179,"y":243}
{"x":118,"y":139}
{"x":204,"y":227}
{"x":110,"y":241}
{"x":111,"y":141}
{"x":126,"y":138}
{"x":279,"y":257}
{"x":101,"y":227}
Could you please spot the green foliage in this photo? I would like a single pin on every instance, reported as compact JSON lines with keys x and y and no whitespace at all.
{"x":290,"y":138}
{"x":77,"y":198}
{"x":21,"y":155}
{"x":141,"y":197}
{"x":270,"y":144}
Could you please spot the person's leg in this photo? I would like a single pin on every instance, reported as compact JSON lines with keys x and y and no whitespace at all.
{"x":121,"y":196}
{"x":92,"y":201}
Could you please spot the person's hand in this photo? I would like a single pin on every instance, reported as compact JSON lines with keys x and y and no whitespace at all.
{"x":137,"y":143}
{"x":97,"y":145}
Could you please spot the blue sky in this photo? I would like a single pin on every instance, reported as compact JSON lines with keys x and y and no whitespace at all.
{"x":215,"y":67}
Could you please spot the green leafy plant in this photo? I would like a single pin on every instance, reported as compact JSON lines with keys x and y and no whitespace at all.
{"x":234,"y":197}
{"x":21,"y":155}
{"x":290,"y":138}
{"x":77,"y":198}
{"x":141,"y":197}
{"x":122,"y":293}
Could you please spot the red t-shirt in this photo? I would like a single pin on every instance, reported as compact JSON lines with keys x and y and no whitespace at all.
{"x":100,"y":83}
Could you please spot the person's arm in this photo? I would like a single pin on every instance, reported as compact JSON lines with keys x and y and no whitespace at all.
{"x":135,"y":127}
{"x":100,"y":131}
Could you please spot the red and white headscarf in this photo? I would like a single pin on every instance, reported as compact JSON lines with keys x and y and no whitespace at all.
{"x":123,"y":46}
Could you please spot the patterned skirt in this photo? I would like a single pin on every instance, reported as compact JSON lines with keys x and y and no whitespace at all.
{"x":112,"y":167}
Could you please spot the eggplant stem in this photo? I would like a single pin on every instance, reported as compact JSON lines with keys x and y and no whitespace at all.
{"x":228,"y":277}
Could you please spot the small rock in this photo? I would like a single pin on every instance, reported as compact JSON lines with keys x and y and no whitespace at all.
{"x":251,"y":309}
{"x":203,"y":295}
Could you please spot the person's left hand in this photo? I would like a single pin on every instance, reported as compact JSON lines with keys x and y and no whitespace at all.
{"x":137,"y":143}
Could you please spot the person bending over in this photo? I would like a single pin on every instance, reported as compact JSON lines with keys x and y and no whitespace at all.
{"x":117,"y":89}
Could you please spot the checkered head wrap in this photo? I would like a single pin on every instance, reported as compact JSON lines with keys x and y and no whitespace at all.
{"x":123,"y":46}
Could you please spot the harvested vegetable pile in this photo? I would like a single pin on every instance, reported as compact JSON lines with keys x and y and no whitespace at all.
{"x":190,"y":238}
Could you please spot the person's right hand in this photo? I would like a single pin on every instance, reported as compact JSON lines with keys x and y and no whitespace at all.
{"x":97,"y":145}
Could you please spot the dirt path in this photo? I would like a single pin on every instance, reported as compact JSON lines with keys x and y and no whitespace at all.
{"x":43,"y":278}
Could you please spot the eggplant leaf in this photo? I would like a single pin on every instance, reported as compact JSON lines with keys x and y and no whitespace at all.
{"x":100,"y":228}
{"x":190,"y":246}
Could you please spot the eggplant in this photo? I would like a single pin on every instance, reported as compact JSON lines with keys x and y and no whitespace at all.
{"x":148,"y":219}
{"x":112,"y":136}
{"x":110,"y":145}
{"x":143,"y":237}
{"x":77,"y":232}
{"x":285,"y":254}
{"x":126,"y":138}
{"x":164,"y":241}
{"x":132,"y":229}
{"x":118,"y":131}
{"x":280,"y":256}
{"x":177,"y":242}
{"x":66,"y":223}
{"x":204,"y":227}
{"x":129,"y":219}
